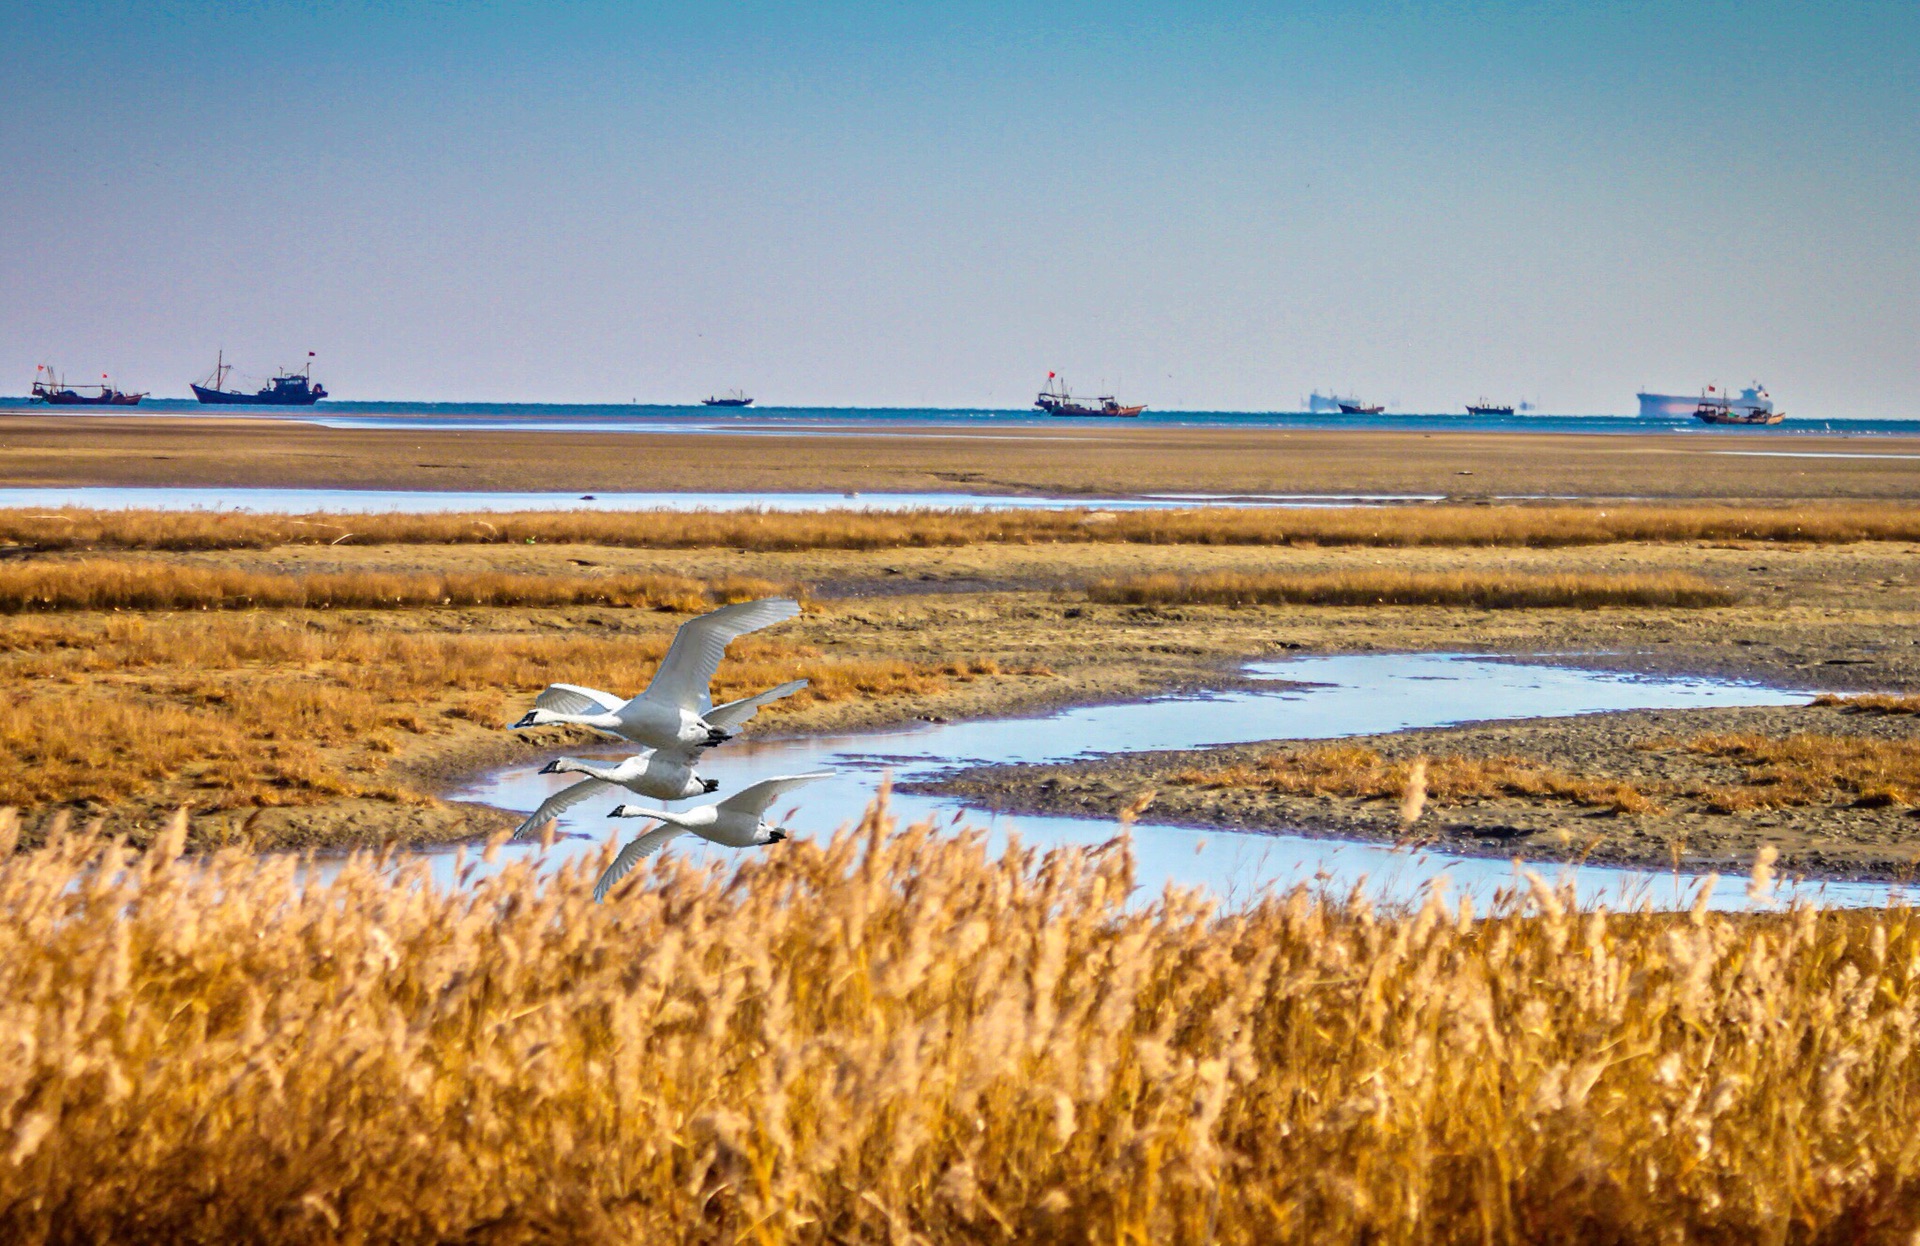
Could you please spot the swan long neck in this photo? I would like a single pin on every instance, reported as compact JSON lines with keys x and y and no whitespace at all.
{"x":679,"y":820}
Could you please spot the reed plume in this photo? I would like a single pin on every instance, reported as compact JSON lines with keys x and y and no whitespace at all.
{"x":891,"y":1035}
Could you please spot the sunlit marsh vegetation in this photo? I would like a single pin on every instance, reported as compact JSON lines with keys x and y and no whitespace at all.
{"x":1417,"y":525}
{"x":898,"y":1037}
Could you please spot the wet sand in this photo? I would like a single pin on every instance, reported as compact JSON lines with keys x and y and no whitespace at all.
{"x":42,"y":450}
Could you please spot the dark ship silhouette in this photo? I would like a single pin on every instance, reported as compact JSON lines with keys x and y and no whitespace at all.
{"x":288,"y":389}
{"x":60,"y":394}
{"x":1055,"y":400}
{"x":732,"y":398}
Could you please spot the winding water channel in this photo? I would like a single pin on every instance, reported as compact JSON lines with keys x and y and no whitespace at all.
{"x":1313,"y":698}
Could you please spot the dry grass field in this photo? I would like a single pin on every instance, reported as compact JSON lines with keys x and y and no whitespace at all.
{"x":266,"y":709}
{"x":1343,"y":769}
{"x":1533,"y":526}
{"x":1778,"y":772}
{"x":895,"y":1037}
{"x":301,"y":682}
{"x":115,"y":584}
{"x":1494,"y":591}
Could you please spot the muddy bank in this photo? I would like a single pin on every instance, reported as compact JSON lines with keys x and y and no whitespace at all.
{"x":1645,"y":749}
{"x":42,"y":450}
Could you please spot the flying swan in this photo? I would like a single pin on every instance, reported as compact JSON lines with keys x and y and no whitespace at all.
{"x":676,"y":712}
{"x":661,"y":775}
{"x":739,"y":821}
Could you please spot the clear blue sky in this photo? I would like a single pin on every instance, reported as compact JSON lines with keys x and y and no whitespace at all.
{"x":1209,"y":206}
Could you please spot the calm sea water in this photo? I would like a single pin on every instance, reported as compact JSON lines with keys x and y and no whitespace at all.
{"x":639,"y":417}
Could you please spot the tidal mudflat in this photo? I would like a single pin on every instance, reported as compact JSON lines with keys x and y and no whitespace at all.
{"x":326,"y":682}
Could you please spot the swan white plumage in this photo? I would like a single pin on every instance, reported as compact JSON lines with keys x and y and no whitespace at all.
{"x":676,"y":712}
{"x":656,"y":773}
{"x":739,"y":821}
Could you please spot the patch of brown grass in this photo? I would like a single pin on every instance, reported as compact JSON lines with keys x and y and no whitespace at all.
{"x":885,"y":1036}
{"x":1353,"y":770}
{"x":1486,"y":590}
{"x":1872,"y":702}
{"x":106,"y":749}
{"x":122,"y":584}
{"x":232,"y":711}
{"x":1512,"y":525}
{"x":1811,"y":769}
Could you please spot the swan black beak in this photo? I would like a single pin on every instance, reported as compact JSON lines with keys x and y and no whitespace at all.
{"x":524,"y":722}
{"x":552,"y":767}
{"x":717,"y":736}
{"x":775,"y":835}
{"x":710,"y":785}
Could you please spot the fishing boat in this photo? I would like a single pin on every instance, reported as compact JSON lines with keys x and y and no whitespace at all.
{"x":1483,"y":407}
{"x":61,"y":394}
{"x":1753,"y":398}
{"x":732,"y":398}
{"x":1356,"y":407}
{"x":1056,"y":400}
{"x":286,"y":389}
{"x":1726,"y":411}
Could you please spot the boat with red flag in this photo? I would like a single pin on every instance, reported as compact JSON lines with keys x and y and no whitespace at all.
{"x":286,"y":389}
{"x":1055,"y":399}
{"x":60,"y":394}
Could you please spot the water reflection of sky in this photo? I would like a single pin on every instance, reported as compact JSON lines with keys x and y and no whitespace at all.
{"x":1328,"y":697}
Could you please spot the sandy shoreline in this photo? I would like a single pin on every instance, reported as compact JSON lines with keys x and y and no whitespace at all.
{"x":41,"y":450}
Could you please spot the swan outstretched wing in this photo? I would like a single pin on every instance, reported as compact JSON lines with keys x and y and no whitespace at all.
{"x":733,"y":713}
{"x":558,"y":803}
{"x":699,"y":645}
{"x":573,"y":699}
{"x":633,"y":854}
{"x":754,"y":798}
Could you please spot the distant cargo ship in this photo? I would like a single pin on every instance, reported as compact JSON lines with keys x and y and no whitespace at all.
{"x":733,"y":398}
{"x":1679,"y":406}
{"x":1328,"y":404}
{"x":1356,"y":407}
{"x":1483,"y":407}
{"x":61,"y":394}
{"x":288,"y":389}
{"x":1055,"y":400}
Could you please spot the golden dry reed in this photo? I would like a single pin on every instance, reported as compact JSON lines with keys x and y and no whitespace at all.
{"x":1773,"y":772}
{"x":114,"y":584}
{"x":1432,"y":525}
{"x":1354,"y":770}
{"x":1488,"y":590}
{"x":1807,"y":768}
{"x":1872,"y":702}
{"x":896,"y":1037}
{"x":247,"y":710}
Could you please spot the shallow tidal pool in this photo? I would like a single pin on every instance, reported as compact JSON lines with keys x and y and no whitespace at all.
{"x":1312,"y":698}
